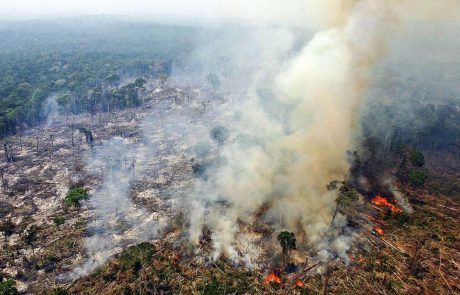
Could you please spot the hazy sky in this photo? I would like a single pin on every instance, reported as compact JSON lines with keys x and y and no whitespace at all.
{"x":292,"y":10}
{"x":304,"y":13}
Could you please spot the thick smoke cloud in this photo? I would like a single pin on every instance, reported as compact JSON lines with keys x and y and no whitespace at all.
{"x":286,"y":159}
{"x":291,"y":128}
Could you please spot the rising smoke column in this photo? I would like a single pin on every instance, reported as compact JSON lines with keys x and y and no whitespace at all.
{"x":287,"y":159}
{"x":326,"y":84}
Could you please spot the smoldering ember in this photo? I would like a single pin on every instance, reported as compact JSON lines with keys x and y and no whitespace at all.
{"x":243,"y":147}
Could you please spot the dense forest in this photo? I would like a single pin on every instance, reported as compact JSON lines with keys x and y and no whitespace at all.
{"x":76,"y":61}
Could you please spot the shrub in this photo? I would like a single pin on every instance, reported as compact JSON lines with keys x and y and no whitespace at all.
{"x":58,"y":220}
{"x":75,"y":196}
{"x":417,"y":178}
{"x":135,"y":256}
{"x":8,"y":287}
{"x":7,"y":228}
{"x":417,"y":158}
{"x":214,"y":287}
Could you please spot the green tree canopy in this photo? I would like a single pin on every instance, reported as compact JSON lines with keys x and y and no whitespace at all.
{"x":75,"y":196}
{"x":287,"y":241}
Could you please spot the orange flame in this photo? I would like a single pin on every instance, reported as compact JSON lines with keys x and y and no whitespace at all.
{"x":272,"y":278}
{"x":382,"y":201}
{"x":299,"y":283}
{"x":359,"y":258}
{"x":379,"y":230}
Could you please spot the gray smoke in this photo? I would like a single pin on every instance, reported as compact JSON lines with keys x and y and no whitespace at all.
{"x":291,"y":124}
{"x":115,"y":220}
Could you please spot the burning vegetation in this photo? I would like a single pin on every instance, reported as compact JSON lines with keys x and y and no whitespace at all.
{"x":272,"y":277}
{"x":379,"y":230}
{"x":382,"y":201}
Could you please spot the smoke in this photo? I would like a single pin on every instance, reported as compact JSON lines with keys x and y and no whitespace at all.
{"x":49,"y":109}
{"x":289,"y":137}
{"x":286,"y":146}
{"x":115,"y":220}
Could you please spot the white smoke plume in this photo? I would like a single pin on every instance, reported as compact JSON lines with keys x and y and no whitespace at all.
{"x":116,"y":220}
{"x":286,"y":144}
{"x":49,"y":109}
{"x":285,"y":157}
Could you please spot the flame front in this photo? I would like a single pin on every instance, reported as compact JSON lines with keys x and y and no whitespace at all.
{"x":379,"y":230}
{"x":299,"y":283}
{"x":272,"y":277}
{"x":382,"y":201}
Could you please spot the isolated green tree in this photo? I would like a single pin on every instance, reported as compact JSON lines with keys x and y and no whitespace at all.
{"x":417,"y":158}
{"x":88,"y":135}
{"x":75,"y":196}
{"x":346,"y":196}
{"x":31,"y":235}
{"x":139,"y":82}
{"x":287,"y":242}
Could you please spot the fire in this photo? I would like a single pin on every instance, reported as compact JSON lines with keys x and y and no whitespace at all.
{"x":272,"y":278}
{"x":359,"y":258}
{"x":382,"y":201}
{"x":379,"y":230}
{"x":299,"y":283}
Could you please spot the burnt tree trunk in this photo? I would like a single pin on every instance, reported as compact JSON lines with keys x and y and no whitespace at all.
{"x":335,"y":213}
{"x":7,"y":158}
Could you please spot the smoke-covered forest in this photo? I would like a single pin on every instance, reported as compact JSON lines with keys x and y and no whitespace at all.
{"x":310,"y":147}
